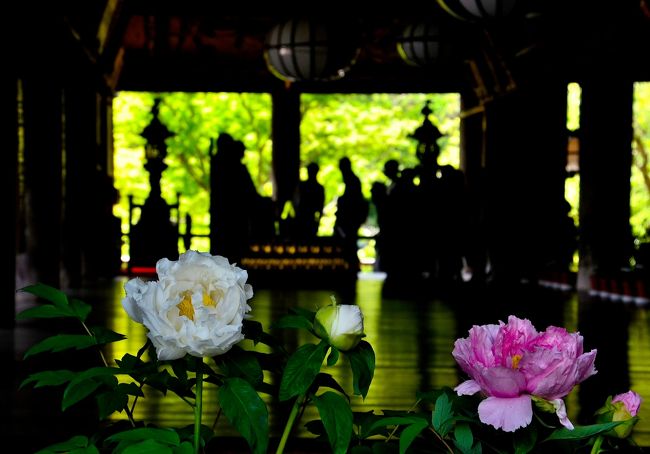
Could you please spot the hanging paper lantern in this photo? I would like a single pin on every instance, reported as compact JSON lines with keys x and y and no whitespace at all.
{"x":309,"y":50}
{"x":419,"y":44}
{"x":478,"y":9}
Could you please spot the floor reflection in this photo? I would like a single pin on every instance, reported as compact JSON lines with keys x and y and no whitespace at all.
{"x":413,"y":339}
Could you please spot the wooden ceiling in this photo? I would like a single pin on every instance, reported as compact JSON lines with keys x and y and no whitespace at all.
{"x":202,"y":45}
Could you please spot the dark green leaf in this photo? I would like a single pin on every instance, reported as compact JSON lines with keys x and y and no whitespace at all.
{"x":45,"y":311}
{"x":442,"y":418}
{"x":463,"y":437}
{"x":361,"y":449}
{"x":301,"y":369}
{"x":80,"y":309}
{"x":78,"y":441}
{"x":336,"y":415}
{"x":246,"y":411}
{"x":116,"y":400}
{"x":410,"y":433}
{"x":362,"y":362}
{"x":328,"y":381}
{"x":293,"y":321}
{"x":580,"y":432}
{"x":306,"y":313}
{"x":524,"y":440}
{"x":61,"y":342}
{"x":92,"y":449}
{"x":333,"y":356}
{"x":241,"y":363}
{"x":106,"y":336}
{"x":165,"y":436}
{"x":184,"y":448}
{"x":84,"y":384}
{"x":148,"y":447}
{"x":253,"y":330}
{"x":49,"y":378}
{"x":387,"y":421}
{"x":48,"y":293}
{"x":180,"y":370}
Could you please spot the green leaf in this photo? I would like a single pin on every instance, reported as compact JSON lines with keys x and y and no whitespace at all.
{"x":185,"y":448}
{"x":61,"y":342}
{"x":395,"y":421}
{"x":442,"y":417}
{"x":105,"y":335}
{"x":148,"y":447}
{"x":336,"y":415}
{"x":293,"y":321}
{"x":301,"y":369}
{"x":323,"y":379}
{"x":410,"y":433}
{"x":111,"y":401}
{"x":241,"y":363}
{"x":48,"y":293}
{"x":362,"y":362}
{"x":45,"y":311}
{"x":246,"y":411}
{"x":84,"y":384}
{"x":463,"y":437}
{"x":580,"y":432}
{"x":78,"y":441}
{"x":333,"y":356}
{"x":164,"y":436}
{"x":80,"y":309}
{"x":49,"y":378}
{"x":524,"y":440}
{"x":306,"y":313}
{"x":254,"y":331}
{"x":92,"y":449}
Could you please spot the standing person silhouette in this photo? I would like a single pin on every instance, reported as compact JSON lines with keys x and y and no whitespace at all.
{"x":351,"y":212}
{"x":309,"y":201}
{"x":233,"y":194}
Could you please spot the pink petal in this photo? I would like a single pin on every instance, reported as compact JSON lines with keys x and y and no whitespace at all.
{"x":560,"y":411}
{"x":506,"y":413}
{"x":467,"y":388}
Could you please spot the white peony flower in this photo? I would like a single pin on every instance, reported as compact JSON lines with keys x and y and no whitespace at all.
{"x":341,"y":324}
{"x":197,"y":306}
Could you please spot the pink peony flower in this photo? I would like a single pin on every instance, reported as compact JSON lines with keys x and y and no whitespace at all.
{"x":512,"y":362}
{"x":622,"y":407}
{"x":631,"y":401}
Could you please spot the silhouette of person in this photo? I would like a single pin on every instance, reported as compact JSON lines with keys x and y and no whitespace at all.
{"x":308,"y":203}
{"x":382,"y":198}
{"x":351,"y":211}
{"x":233,"y":199}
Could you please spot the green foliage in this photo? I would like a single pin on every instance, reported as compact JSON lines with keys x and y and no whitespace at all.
{"x":239,"y":375}
{"x":369,"y":128}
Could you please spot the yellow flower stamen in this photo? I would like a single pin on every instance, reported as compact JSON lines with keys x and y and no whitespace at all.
{"x":185,"y":306}
{"x":212,"y":302}
{"x":515,"y":361}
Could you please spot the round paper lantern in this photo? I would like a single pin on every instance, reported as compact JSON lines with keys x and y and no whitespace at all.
{"x":478,"y":9}
{"x":309,"y":50}
{"x":419,"y":44}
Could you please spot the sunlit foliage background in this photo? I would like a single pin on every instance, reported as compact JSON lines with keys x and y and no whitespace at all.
{"x":370,"y":129}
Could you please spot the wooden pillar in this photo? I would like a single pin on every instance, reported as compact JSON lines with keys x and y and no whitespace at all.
{"x":82,"y":182}
{"x":286,"y":143}
{"x":525,"y":140}
{"x":43,"y":176}
{"x":606,"y":243}
{"x":472,"y":163}
{"x":9,"y":189}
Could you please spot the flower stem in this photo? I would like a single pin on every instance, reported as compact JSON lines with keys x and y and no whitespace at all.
{"x":292,"y":418}
{"x":198,"y":407}
{"x":595,"y":449}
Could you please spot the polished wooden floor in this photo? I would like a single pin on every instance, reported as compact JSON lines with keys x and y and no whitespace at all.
{"x":412,"y":335}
